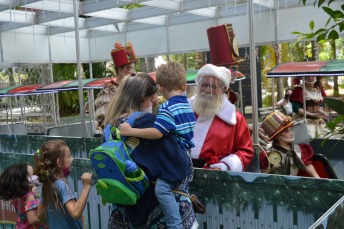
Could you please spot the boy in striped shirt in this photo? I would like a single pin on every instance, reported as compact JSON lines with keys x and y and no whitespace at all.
{"x":174,"y":116}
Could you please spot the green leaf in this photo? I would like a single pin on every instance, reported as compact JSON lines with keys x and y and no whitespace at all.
{"x":311,"y":25}
{"x":341,"y":27}
{"x":310,"y":36}
{"x":329,"y":11}
{"x":338,"y":120}
{"x":333,"y":35}
{"x":304,"y":2}
{"x":328,"y":21}
{"x":296,"y":32}
{"x":342,"y":7}
{"x":321,"y":37}
{"x":320,"y":30}
{"x":300,"y":38}
{"x":323,"y":141}
{"x":331,"y":126}
{"x":320,"y":2}
{"x":330,"y":2}
{"x":337,"y":14}
{"x":335,"y":104}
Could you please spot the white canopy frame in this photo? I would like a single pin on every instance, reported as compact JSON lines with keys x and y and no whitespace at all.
{"x":160,"y":27}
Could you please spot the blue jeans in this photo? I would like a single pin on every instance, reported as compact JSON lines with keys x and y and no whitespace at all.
{"x":164,"y":194}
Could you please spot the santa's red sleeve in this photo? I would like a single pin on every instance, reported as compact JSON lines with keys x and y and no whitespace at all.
{"x":244,"y":147}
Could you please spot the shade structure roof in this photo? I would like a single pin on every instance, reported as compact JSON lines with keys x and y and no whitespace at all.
{"x":20,"y":90}
{"x":309,"y":68}
{"x":28,"y":27}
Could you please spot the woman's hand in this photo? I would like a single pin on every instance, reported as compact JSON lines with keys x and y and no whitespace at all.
{"x":320,"y":114}
{"x":155,"y":100}
{"x":125,"y":129}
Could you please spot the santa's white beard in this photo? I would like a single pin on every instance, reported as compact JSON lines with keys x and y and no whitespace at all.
{"x":207,"y":104}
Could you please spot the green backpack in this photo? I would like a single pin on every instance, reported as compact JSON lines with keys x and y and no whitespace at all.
{"x":110,"y":161}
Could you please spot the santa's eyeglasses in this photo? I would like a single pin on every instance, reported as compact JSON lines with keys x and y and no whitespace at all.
{"x":211,"y":86}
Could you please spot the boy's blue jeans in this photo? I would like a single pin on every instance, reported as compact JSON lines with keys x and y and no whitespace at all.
{"x":164,"y":194}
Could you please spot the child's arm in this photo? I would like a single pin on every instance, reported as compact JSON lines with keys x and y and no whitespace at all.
{"x":75,"y":209}
{"x":31,"y":214}
{"x":147,"y":133}
{"x":40,"y":214}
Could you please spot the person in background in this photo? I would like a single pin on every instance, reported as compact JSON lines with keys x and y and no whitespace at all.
{"x":286,"y":157}
{"x":124,"y":59}
{"x":314,"y":105}
{"x":286,"y":103}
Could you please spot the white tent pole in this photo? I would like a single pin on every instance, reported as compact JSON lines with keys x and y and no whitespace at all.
{"x":91,"y":97}
{"x":77,"y":42}
{"x":253,"y":88}
{"x":51,"y":77}
{"x":1,"y":49}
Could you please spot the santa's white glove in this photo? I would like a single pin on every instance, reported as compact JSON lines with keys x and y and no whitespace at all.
{"x":221,"y":166}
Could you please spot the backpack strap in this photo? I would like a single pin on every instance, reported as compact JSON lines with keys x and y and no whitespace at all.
{"x":131,"y":121}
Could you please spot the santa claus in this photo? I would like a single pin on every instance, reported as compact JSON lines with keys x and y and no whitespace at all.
{"x":221,"y":134}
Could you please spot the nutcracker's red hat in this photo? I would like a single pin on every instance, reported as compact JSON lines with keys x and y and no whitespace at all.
{"x":223,"y":45}
{"x":123,"y":55}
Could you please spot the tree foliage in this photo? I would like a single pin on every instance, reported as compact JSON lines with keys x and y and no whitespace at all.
{"x":336,"y":16}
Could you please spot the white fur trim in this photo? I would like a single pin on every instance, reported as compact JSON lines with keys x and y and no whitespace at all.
{"x":222,"y":73}
{"x":227,"y":113}
{"x":234,"y":162}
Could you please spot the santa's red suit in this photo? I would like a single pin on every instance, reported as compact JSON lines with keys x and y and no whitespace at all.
{"x":225,"y":136}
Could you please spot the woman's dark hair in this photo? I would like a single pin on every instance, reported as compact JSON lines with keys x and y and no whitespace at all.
{"x":288,"y":89}
{"x":286,"y":96}
{"x":49,"y":168}
{"x":129,"y":96}
{"x":14,"y":181}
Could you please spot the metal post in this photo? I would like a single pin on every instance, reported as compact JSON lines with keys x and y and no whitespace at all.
{"x":1,"y":50}
{"x":273,"y":94}
{"x":58,"y":108}
{"x":304,"y":98}
{"x":51,"y":76}
{"x":93,"y":123}
{"x":11,"y":114}
{"x":241,"y":102}
{"x":253,"y":88}
{"x":20,"y":97}
{"x":168,"y":35}
{"x":44,"y":126}
{"x":77,"y":42}
{"x":90,"y":101}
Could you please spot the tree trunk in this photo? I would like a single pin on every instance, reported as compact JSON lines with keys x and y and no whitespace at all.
{"x":335,"y":78}
{"x":203,"y":59}
{"x":151,"y":64}
{"x":278,"y":60}
{"x":185,"y":61}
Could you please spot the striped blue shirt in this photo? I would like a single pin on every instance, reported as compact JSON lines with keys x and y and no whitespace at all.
{"x":176,"y":116}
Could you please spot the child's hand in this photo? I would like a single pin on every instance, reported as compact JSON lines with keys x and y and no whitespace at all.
{"x":86,"y":179}
{"x":124,"y":129}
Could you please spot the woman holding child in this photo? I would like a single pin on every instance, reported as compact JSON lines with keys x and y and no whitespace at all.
{"x":160,"y":158}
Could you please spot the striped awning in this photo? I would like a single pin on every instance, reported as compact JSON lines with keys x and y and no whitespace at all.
{"x":308,"y":68}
